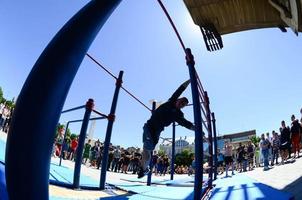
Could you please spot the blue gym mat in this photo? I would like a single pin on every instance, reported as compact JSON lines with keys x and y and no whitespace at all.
{"x":180,"y":182}
{"x":2,"y":150}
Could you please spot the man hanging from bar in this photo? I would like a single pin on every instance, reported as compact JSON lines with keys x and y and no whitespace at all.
{"x":162,"y":117}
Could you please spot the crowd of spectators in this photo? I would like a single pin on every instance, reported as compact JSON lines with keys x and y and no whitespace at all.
{"x":279,"y":149}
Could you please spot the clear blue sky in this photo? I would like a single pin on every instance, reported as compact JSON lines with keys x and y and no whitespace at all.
{"x":254,"y":82}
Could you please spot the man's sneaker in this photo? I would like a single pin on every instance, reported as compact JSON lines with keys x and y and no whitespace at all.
{"x":141,"y":173}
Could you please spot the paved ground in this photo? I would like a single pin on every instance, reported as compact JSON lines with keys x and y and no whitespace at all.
{"x":286,"y":177}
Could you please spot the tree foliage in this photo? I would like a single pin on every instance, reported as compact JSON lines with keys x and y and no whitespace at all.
{"x":1,"y":95}
{"x":255,"y":140}
{"x":184,"y":158}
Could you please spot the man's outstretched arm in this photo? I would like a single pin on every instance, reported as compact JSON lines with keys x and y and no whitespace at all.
{"x":179,"y":90}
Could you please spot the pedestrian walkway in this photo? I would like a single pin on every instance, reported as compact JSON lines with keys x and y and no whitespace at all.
{"x":287,"y":177}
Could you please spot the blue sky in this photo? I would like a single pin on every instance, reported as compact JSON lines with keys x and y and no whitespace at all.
{"x":254,"y":82}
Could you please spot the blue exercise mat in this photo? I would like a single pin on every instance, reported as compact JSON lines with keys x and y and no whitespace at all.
{"x":3,"y":189}
{"x":2,"y":150}
{"x":65,"y":175}
{"x":180,"y":182}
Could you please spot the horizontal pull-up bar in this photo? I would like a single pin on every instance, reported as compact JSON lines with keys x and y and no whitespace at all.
{"x":80,"y":120}
{"x":106,"y":70}
{"x":72,"y":109}
{"x":99,"y":113}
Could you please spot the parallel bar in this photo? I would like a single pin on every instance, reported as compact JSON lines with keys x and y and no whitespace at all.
{"x":151,"y":161}
{"x":40,"y":102}
{"x":215,"y":145}
{"x":80,"y":147}
{"x":73,"y":121}
{"x":198,"y":127}
{"x":109,"y":130}
{"x":173,"y":151}
{"x":72,"y":109}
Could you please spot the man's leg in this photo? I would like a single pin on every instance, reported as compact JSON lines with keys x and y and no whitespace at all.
{"x":146,"y":158}
{"x":144,"y":163}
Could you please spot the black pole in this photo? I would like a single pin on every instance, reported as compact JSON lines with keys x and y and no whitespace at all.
{"x":151,"y":163}
{"x":215,"y":145}
{"x":111,"y":118}
{"x":39,"y":105}
{"x":209,"y":124}
{"x":198,"y":126}
{"x":173,"y":151}
{"x":81,"y":142}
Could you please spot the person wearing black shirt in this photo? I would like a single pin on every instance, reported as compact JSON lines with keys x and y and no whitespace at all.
{"x":284,"y":142}
{"x":162,"y":117}
{"x":295,"y":135}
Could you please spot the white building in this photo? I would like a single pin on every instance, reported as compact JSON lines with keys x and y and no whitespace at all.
{"x":181,"y":143}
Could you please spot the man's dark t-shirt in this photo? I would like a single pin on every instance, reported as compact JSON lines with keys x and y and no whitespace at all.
{"x":165,"y":114}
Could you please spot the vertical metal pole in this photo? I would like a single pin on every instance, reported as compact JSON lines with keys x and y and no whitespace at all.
{"x":81,"y":142}
{"x":39,"y":105}
{"x":215,"y":145}
{"x":63,"y":143}
{"x":173,"y":151}
{"x":198,"y":127}
{"x":151,"y":163}
{"x":209,"y":124}
{"x":111,"y":118}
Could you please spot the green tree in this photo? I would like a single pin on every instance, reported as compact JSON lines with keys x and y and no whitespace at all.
{"x":1,"y":95}
{"x":10,"y":103}
{"x":161,"y":152}
{"x":184,"y":158}
{"x":255,"y":140}
{"x":62,"y":126}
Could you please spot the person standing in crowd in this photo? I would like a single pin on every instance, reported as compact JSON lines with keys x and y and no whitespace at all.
{"x":220,"y":160}
{"x":100,"y":154}
{"x":240,"y":157}
{"x":166,"y":164}
{"x":116,"y":158}
{"x":228,"y":153}
{"x":245,"y":158}
{"x":284,"y":142}
{"x":251,"y":154}
{"x":162,"y":117}
{"x":2,"y":106}
{"x":5,"y":117}
{"x":264,"y":144}
{"x":269,"y":147}
{"x":65,"y":146}
{"x":275,"y":146}
{"x":110,"y":156}
{"x":295,"y":136}
{"x":86,"y":154}
{"x":125,"y":161}
{"x":137,"y":157}
{"x":73,"y":148}
{"x":154,"y":162}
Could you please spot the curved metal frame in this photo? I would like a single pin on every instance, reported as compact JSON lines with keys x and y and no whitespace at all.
{"x":41,"y":100}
